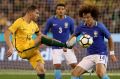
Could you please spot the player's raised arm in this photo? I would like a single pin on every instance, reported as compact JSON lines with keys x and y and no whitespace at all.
{"x":110,"y":42}
{"x":111,"y":49}
{"x":8,"y":42}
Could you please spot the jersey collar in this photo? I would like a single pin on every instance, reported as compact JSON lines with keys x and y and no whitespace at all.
{"x":65,"y":16}
{"x":96,"y":23}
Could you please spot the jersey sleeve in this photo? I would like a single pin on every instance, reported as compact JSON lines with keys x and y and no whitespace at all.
{"x":48,"y":25}
{"x":72,"y":26}
{"x":14,"y":26}
{"x":105,"y":31}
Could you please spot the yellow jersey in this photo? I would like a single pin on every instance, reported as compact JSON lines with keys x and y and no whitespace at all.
{"x":22,"y":33}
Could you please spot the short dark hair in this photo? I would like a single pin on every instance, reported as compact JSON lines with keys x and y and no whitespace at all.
{"x":88,"y":8}
{"x":31,"y":8}
{"x":60,"y":4}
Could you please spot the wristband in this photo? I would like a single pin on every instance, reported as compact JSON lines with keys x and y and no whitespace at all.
{"x":112,"y":53}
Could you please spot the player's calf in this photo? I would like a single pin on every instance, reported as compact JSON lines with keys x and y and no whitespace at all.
{"x":57,"y":71}
{"x":101,"y":71}
{"x":102,"y":75}
{"x":40,"y":70}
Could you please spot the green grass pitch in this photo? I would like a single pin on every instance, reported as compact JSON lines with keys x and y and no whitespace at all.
{"x":5,"y":76}
{"x":20,"y":74}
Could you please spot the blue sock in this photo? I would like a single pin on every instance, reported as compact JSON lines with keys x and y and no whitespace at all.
{"x":73,"y":77}
{"x":57,"y":74}
{"x":105,"y":77}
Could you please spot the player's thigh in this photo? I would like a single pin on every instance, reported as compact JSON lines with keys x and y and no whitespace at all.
{"x":57,"y":56}
{"x":70,"y":56}
{"x":86,"y":63}
{"x":100,"y":69}
{"x":101,"y":64}
{"x":103,"y":59}
{"x":36,"y":58}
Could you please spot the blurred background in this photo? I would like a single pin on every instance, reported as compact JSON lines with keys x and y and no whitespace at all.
{"x":10,"y":10}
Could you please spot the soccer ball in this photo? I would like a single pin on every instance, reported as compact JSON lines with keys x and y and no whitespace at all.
{"x":85,"y":40}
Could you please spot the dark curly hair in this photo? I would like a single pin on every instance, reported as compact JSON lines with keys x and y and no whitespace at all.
{"x":88,"y":8}
{"x":60,"y":4}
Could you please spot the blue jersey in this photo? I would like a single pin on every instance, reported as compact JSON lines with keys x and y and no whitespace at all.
{"x":98,"y":32}
{"x":60,"y":28}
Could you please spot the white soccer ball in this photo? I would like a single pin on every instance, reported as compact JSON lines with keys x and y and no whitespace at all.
{"x":85,"y":40}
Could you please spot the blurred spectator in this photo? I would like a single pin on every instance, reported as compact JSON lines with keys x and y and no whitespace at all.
{"x":116,"y":16}
{"x":109,"y":10}
{"x":3,"y":22}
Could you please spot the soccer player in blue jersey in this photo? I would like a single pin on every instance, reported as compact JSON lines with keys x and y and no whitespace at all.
{"x":97,"y":53}
{"x":61,"y":27}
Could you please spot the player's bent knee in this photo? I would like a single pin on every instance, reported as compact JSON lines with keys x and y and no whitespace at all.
{"x":74,"y":73}
{"x":40,"y":70}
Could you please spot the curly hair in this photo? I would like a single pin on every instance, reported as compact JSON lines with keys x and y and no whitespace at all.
{"x":88,"y":8}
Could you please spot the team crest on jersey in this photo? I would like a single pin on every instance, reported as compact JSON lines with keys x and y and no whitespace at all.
{"x":54,"y":24}
{"x":83,"y":33}
{"x":66,"y":24}
{"x":95,"y":33}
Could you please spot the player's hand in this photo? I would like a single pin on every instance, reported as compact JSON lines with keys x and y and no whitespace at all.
{"x":10,"y":51}
{"x":64,"y":49}
{"x":68,"y":46}
{"x":113,"y":58}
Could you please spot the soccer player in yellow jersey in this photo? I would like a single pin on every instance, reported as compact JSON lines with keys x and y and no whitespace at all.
{"x":22,"y":30}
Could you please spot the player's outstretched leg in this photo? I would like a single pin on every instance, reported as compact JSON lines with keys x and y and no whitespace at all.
{"x":49,"y":41}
